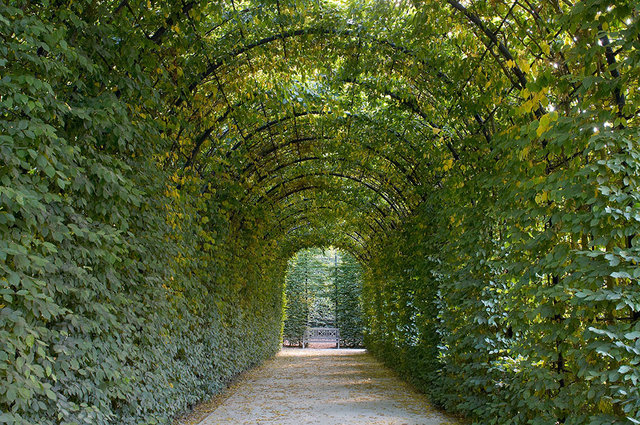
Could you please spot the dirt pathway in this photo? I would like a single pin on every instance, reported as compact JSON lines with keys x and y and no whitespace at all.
{"x":324,"y":387}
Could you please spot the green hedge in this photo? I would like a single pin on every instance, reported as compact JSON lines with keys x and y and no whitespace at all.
{"x":517,"y":309}
{"x":518,"y":303}
{"x":304,"y":274}
{"x":122,"y":300}
{"x":511,"y":294}
{"x":349,"y":316}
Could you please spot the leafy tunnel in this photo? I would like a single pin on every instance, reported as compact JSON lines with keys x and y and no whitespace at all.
{"x":161,"y":161}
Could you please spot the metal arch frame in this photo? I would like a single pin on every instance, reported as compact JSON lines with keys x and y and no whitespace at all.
{"x":307,"y":218}
{"x":313,"y":187}
{"x":474,"y":19}
{"x":252,"y":168}
{"x":409,"y":105}
{"x":384,"y":219}
{"x":412,"y":108}
{"x":369,"y":213}
{"x":359,"y":240}
{"x":380,"y":213}
{"x":378,"y":190}
{"x":358,"y":166}
{"x":322,"y":30}
{"x":374,"y":189}
{"x":362,"y":254}
{"x":267,"y":40}
{"x":291,"y":33}
{"x":270,"y":124}
{"x":393,"y":162}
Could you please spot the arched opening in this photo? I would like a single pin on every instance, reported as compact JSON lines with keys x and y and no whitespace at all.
{"x":323,"y":289}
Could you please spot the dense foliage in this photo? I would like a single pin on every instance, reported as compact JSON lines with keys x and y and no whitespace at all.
{"x":523,"y":303}
{"x":305,"y":275}
{"x":160,"y":161}
{"x":347,"y":298}
{"x":323,"y":289}
{"x":122,"y":300}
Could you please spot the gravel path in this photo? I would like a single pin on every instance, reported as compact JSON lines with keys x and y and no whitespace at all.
{"x":323,"y":387}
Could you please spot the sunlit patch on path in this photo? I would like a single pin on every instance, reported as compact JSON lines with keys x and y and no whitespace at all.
{"x":324,"y":386}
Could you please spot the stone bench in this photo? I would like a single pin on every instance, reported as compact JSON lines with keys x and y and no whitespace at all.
{"x":321,"y":335}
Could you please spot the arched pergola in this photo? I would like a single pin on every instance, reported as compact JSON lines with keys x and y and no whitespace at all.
{"x":162,"y":160}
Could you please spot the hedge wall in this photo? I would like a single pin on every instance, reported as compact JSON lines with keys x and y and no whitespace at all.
{"x":514,"y":298}
{"x":122,"y":299}
{"x":520,"y":272}
{"x":350,"y":317}
{"x":518,"y":309}
{"x":304,"y":275}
